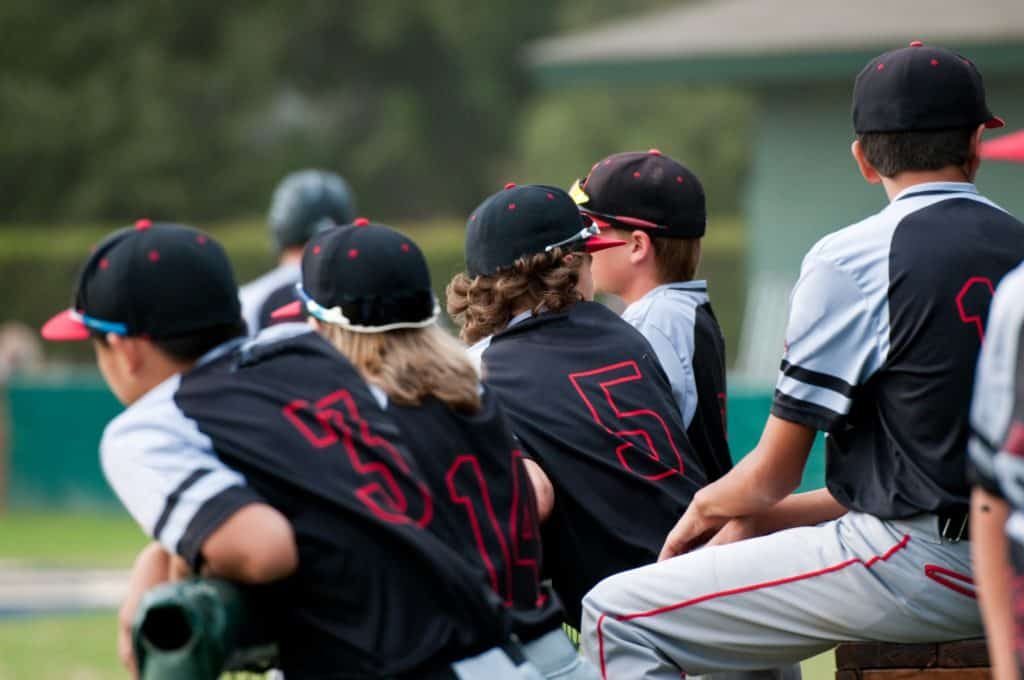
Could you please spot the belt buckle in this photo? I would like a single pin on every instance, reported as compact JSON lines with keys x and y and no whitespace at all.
{"x":960,"y":531}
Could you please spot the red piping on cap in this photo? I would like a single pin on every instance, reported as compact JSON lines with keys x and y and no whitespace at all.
{"x":63,"y":326}
{"x":292,"y":310}
{"x":995,"y":122}
{"x":510,"y":185}
{"x":143,"y":224}
{"x":360,"y":222}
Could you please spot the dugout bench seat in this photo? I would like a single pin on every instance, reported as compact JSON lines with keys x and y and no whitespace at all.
{"x":961,"y":660}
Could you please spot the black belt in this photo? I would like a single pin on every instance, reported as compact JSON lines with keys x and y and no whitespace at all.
{"x":954,"y":524}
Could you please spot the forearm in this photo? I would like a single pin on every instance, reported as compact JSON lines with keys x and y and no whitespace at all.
{"x":750,"y":488}
{"x":151,"y":568}
{"x":994,"y":579}
{"x":799,"y":510}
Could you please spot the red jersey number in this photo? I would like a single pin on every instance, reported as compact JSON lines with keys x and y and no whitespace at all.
{"x":637,"y":427}
{"x":973,"y":301}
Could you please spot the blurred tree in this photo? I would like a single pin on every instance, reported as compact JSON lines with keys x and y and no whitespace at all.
{"x":193,"y":110}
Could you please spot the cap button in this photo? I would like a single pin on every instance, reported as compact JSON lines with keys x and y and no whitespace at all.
{"x":916,"y":43}
{"x":360,"y":221}
{"x":141,"y":225}
{"x":510,"y":185}
{"x":654,"y":152}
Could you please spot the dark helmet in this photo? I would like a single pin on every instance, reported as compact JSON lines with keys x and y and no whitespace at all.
{"x":307,"y":202}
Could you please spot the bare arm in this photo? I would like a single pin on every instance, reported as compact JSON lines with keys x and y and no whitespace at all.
{"x":255,"y":545}
{"x":994,"y":579}
{"x":543,"y":491}
{"x":764,"y":477}
{"x":151,"y":568}
{"x":796,"y":510}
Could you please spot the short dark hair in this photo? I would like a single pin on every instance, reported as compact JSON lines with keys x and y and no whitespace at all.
{"x":194,"y":345}
{"x":891,"y":153}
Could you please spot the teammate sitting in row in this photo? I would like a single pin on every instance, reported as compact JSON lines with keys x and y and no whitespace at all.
{"x":656,"y":205}
{"x":996,"y":449}
{"x":270,"y":462}
{"x":584,"y":391}
{"x":303,"y":204}
{"x":885,"y":326}
{"x":366,"y":289}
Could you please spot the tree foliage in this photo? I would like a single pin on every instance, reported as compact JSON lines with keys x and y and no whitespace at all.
{"x":193,"y":110}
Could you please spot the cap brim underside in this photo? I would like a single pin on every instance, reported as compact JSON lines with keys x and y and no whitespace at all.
{"x":596,"y":243}
{"x":64,"y":327}
{"x":995,"y":122}
{"x":292,"y":310}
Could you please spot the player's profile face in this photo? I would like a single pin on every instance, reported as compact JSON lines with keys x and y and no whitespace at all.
{"x":611,"y":267}
{"x":586,"y":282}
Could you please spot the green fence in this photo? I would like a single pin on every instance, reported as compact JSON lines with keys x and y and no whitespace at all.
{"x":55,"y":429}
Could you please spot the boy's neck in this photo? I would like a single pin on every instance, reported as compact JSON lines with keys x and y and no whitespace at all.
{"x":641,"y":284}
{"x":894,"y":186}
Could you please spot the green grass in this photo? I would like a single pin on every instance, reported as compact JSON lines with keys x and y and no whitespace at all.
{"x":69,"y":540}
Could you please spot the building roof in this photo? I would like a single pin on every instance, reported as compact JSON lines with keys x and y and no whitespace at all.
{"x":773,"y":39}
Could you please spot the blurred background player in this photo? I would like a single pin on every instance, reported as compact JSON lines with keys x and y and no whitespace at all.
{"x":656,"y":205}
{"x":884,"y":330}
{"x":366,"y":289}
{"x":585,"y":393}
{"x":996,"y":451}
{"x":304,"y":203}
{"x":269,"y":462}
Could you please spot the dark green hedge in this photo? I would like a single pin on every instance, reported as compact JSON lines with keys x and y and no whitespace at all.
{"x":38,"y":267}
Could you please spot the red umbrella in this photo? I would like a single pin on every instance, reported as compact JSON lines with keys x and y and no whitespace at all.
{"x":1005,"y":148}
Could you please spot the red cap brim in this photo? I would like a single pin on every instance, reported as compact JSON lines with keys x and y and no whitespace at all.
{"x":1006,"y":148}
{"x":64,"y":326}
{"x":596,"y":243}
{"x":995,"y":122}
{"x":292,"y":310}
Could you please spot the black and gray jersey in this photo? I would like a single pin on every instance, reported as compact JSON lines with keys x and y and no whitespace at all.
{"x":885,"y":326}
{"x":996,"y":445}
{"x":285,"y":420}
{"x":678,"y":321}
{"x":262,"y":296}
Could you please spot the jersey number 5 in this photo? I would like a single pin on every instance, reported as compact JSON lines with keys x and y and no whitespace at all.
{"x":638,"y":427}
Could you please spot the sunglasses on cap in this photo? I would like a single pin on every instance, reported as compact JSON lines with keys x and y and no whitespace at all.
{"x":336,"y":316}
{"x":605,"y":220}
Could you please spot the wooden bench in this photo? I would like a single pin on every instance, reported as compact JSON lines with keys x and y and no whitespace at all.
{"x":962,"y":660}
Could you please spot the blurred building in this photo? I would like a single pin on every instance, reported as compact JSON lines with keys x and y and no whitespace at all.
{"x":800,"y":58}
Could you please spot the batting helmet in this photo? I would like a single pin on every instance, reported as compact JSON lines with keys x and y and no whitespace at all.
{"x":307,"y":202}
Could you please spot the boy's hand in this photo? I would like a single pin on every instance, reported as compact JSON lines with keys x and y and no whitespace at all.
{"x":151,"y":568}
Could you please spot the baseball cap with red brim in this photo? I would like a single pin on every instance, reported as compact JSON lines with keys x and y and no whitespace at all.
{"x":155,"y":280}
{"x":527,"y":220}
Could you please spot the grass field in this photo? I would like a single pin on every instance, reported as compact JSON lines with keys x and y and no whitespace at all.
{"x":82,"y":646}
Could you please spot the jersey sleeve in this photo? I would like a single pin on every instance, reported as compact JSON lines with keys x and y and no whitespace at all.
{"x":678,"y":371}
{"x":831,"y":345}
{"x":168,"y":477}
{"x":996,"y":444}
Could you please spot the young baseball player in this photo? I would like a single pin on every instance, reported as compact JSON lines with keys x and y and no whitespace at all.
{"x":656,"y":205}
{"x":304,"y":203}
{"x":996,"y":449}
{"x":584,"y":391}
{"x":269,"y":462}
{"x":885,"y":326}
{"x":366,"y":288}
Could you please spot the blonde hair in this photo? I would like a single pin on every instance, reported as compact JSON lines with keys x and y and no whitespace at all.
{"x":411,"y":364}
{"x":676,"y":259}
{"x":483,"y":305}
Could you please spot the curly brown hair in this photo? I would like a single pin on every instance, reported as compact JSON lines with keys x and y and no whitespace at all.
{"x":483,"y":305}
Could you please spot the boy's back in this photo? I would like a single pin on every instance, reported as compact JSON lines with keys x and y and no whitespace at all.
{"x":591,"y":405}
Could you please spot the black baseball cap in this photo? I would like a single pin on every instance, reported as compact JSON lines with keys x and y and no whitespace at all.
{"x":644,"y":190}
{"x":157,"y":280}
{"x":920,"y":88}
{"x":365,"y":277}
{"x":527,"y":220}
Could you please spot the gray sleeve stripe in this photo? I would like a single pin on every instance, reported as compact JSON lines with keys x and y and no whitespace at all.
{"x":805,"y":375}
{"x":984,"y":441}
{"x":172,"y":499}
{"x":833,"y":401}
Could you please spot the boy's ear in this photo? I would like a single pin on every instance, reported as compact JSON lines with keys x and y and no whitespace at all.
{"x":867,"y":171}
{"x":974,"y":156}
{"x":640,"y":246}
{"x":129,"y":351}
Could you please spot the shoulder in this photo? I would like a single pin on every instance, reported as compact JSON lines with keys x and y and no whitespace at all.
{"x":153,"y":424}
{"x":670,"y":309}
